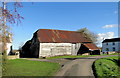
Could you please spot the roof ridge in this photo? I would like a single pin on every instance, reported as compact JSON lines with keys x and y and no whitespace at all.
{"x":111,"y":40}
{"x":58,"y":30}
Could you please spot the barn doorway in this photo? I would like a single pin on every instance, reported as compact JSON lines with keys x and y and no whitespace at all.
{"x":82,"y":50}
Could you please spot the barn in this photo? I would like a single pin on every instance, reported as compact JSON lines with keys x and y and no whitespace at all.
{"x":49,"y":42}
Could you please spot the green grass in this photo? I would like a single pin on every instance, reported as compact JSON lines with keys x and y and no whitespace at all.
{"x":77,"y":56}
{"x":70,"y":56}
{"x":22,"y":67}
{"x":107,"y":67}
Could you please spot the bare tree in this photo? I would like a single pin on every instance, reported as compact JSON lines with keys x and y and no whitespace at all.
{"x":11,"y":16}
{"x":89,"y":34}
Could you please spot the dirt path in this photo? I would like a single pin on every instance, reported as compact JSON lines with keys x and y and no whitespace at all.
{"x":79,"y":67}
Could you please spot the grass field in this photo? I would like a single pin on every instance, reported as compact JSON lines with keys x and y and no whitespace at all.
{"x":107,"y":67}
{"x":22,"y":67}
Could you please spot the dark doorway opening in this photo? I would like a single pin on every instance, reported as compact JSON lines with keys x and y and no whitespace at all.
{"x":83,"y":49}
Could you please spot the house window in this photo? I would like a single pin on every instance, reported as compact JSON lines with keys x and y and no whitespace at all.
{"x":107,"y":49}
{"x":113,"y":43}
{"x":113,"y":48}
{"x":106,"y":43}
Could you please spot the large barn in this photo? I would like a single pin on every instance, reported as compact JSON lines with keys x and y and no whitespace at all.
{"x":49,"y":42}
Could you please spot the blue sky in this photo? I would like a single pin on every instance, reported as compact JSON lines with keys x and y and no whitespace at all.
{"x":99,"y":17}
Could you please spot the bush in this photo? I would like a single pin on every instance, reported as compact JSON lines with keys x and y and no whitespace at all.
{"x":107,"y":67}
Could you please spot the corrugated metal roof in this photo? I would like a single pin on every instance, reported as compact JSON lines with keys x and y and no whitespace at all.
{"x":60,"y":36}
{"x":91,"y":46}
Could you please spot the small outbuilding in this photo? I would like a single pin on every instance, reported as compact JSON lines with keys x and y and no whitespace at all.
{"x":49,"y":42}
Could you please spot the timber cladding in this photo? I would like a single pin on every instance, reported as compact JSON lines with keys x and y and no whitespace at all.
{"x":54,"y":49}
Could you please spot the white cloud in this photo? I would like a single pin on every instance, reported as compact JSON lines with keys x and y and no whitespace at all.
{"x":102,"y":36}
{"x":110,"y":26}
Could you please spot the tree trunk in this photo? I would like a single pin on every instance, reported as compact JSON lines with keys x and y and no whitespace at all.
{"x":4,"y":58}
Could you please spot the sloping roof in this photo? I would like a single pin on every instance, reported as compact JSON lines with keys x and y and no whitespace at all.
{"x":111,"y":40}
{"x":91,"y":46}
{"x":60,"y":36}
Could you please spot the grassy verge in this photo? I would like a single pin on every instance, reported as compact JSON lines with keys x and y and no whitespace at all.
{"x":22,"y":67}
{"x":71,"y":56}
{"x":107,"y":67}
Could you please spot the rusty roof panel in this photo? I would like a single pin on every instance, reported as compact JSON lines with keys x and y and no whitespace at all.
{"x":91,"y":46}
{"x":61,"y":36}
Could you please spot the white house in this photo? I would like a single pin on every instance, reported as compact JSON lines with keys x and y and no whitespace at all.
{"x":8,"y":45}
{"x":49,"y":42}
{"x":111,"y":45}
